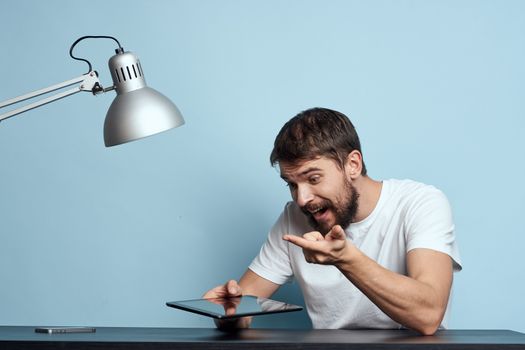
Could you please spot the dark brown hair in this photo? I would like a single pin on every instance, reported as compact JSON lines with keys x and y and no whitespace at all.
{"x":316,"y":132}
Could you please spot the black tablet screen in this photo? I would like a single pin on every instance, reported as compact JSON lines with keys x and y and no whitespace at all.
{"x":223,"y":308}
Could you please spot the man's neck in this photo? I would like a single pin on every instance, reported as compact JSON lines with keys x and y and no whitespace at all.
{"x":369,"y":192}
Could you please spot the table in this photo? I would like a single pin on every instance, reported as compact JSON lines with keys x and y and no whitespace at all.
{"x":20,"y":337}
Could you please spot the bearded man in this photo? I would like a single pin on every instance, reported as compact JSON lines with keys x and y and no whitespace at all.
{"x":366,"y":253}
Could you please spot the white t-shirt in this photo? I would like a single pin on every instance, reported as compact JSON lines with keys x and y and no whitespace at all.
{"x":408,"y":215}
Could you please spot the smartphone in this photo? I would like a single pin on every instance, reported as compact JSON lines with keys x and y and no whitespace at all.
{"x":53,"y":330}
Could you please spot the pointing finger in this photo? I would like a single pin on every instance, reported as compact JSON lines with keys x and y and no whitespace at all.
{"x":298,"y":241}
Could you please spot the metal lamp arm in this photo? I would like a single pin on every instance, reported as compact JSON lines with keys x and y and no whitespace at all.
{"x":88,"y":82}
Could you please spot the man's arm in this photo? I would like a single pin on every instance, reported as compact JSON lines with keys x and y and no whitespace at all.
{"x":253,"y":284}
{"x":417,"y":301}
{"x":249,"y":284}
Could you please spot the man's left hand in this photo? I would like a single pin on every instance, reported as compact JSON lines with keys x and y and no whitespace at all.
{"x":328,"y":250}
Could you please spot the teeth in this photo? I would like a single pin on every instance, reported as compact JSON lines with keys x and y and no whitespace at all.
{"x":316,"y":210}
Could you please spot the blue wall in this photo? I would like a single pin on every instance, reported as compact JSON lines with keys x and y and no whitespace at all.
{"x":104,"y":237}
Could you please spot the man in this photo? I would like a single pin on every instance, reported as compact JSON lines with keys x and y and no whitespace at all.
{"x":366,"y":254}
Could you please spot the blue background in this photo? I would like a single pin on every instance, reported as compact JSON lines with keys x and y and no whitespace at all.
{"x":103,"y":237}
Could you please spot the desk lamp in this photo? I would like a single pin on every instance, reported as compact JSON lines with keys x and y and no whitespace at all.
{"x":136,"y":112}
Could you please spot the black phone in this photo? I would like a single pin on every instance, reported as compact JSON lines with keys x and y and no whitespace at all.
{"x":54,"y":330}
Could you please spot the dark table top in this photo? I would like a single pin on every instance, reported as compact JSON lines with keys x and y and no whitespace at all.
{"x":18,"y":337}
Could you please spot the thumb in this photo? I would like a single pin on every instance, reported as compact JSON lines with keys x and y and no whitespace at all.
{"x":232,"y":288}
{"x":336,"y":233}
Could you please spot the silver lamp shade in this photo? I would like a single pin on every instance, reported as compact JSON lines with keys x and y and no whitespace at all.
{"x":138,"y":110}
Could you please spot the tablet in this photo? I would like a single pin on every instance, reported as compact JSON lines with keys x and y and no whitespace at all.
{"x":229,"y":308}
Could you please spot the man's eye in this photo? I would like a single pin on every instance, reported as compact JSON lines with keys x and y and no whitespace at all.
{"x":314,"y":179}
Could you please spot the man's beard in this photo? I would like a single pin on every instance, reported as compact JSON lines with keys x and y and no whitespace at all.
{"x":344,"y":210}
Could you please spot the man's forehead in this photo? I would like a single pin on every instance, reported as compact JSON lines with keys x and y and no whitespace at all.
{"x":301,"y":167}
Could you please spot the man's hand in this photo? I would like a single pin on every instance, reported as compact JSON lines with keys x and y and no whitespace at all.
{"x":230,"y":289}
{"x":227,"y":290}
{"x":328,"y":250}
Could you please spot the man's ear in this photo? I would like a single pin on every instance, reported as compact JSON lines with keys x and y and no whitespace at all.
{"x":354,"y":164}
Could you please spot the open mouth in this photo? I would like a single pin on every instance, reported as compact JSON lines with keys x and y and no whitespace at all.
{"x":318,"y":212}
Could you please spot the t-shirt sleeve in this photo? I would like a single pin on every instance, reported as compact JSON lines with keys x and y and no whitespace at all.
{"x":273,"y":261}
{"x":430,"y":225}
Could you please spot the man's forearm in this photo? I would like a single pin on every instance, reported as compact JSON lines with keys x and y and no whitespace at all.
{"x":414,"y":304}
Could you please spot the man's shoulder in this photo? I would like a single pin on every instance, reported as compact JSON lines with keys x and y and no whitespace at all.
{"x":291,"y":206}
{"x":416,"y":199}
{"x":292,"y":211}
{"x":410,"y":195}
{"x":410,"y":188}
{"x":292,"y":218}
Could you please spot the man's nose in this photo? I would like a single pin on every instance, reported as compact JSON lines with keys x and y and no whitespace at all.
{"x":303,"y":195}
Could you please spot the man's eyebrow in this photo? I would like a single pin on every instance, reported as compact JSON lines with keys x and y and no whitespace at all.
{"x":303,"y":173}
